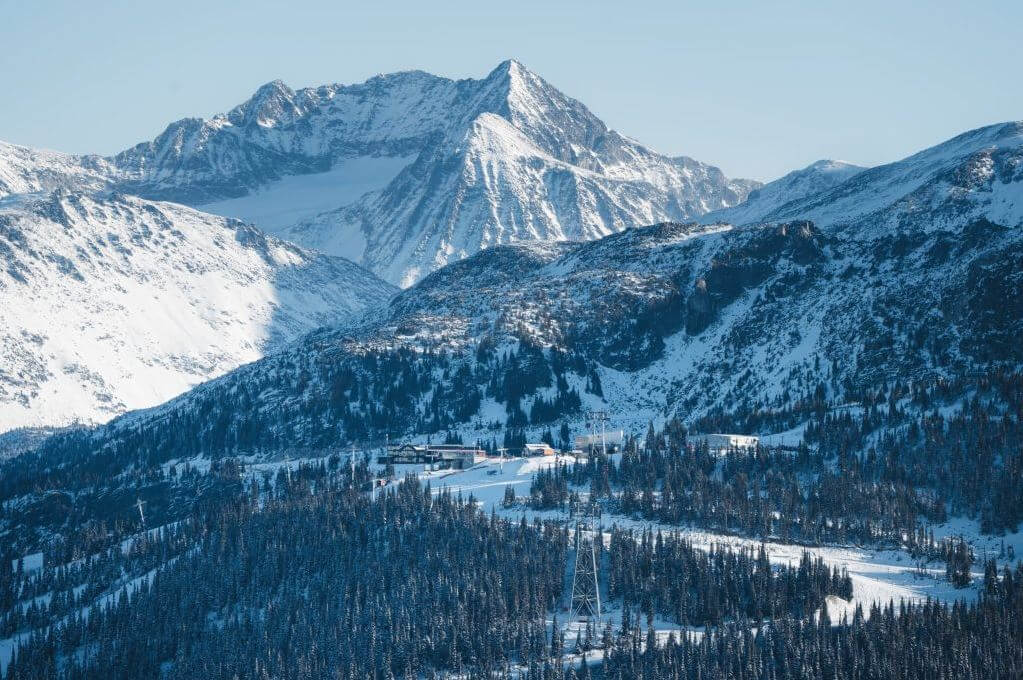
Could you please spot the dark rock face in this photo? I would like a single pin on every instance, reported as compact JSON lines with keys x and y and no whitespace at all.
{"x":629,"y":332}
{"x":768,"y":254}
{"x":699,"y":308}
{"x":993,"y":307}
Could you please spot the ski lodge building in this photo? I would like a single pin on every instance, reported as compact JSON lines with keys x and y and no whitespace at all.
{"x":541,"y":449}
{"x":454,"y":456}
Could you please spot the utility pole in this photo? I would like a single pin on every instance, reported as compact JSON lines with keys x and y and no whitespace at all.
{"x":501,"y":452}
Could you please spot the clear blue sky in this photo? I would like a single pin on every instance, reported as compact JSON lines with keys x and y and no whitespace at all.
{"x":757,"y":88}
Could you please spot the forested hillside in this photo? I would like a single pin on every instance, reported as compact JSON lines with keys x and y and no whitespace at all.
{"x":310,"y":577}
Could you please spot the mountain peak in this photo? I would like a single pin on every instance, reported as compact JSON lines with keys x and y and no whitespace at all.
{"x":407,"y":171}
{"x":830,"y":165}
{"x":819,"y":176}
{"x":552,"y":120}
{"x":518,"y":83}
{"x":274,"y":86}
{"x":271,"y":104}
{"x":508,"y":67}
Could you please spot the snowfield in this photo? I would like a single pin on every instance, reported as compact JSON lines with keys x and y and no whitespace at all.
{"x":295,"y":198}
{"x":117,"y":303}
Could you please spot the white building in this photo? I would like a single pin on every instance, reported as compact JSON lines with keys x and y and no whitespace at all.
{"x":720,"y":444}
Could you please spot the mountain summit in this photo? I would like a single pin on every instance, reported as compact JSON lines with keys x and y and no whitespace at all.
{"x":519,"y":161}
{"x":409,"y":171}
{"x":815,"y":178}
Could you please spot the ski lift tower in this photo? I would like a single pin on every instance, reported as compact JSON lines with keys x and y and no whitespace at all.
{"x":602,"y":417}
{"x":585,"y":580}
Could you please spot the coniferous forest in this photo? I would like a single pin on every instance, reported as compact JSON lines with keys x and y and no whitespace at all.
{"x":928,"y":641}
{"x":306,"y":576}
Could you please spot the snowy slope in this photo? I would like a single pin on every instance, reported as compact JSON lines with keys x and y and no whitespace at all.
{"x":813,"y":179}
{"x":281,"y":204}
{"x":675,"y":319}
{"x":24,"y":170}
{"x":978,"y":174}
{"x":119,"y":303}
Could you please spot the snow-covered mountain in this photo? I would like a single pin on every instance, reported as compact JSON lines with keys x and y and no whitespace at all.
{"x":669,"y":319}
{"x":813,"y":179}
{"x":405,"y":172}
{"x":976,"y":175}
{"x":518,"y":161}
{"x":25,"y":170}
{"x":115,"y":303}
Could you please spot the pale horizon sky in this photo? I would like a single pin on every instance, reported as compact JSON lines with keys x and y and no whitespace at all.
{"x":758,"y":89}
